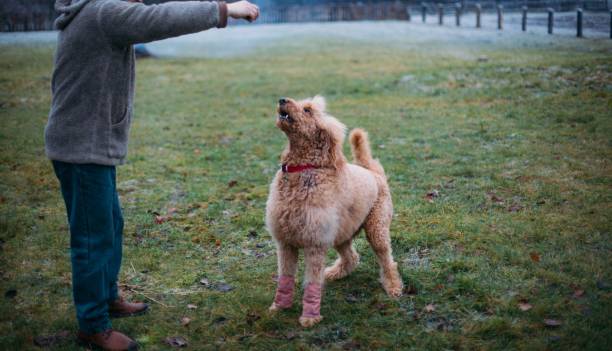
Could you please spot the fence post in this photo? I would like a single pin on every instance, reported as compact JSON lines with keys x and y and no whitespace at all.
{"x":423,"y":12}
{"x":500,"y":17}
{"x":524,"y":19}
{"x":579,"y":23}
{"x":550,"y":20}
{"x":440,"y":14}
{"x":478,"y":8}
{"x":458,"y":14}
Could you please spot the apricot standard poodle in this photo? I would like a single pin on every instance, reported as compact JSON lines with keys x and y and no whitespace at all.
{"x":318,"y":200}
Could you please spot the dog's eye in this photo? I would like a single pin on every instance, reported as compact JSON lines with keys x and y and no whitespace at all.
{"x":307,"y":109}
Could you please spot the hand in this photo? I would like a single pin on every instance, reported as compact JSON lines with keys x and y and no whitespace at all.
{"x":243,"y":10}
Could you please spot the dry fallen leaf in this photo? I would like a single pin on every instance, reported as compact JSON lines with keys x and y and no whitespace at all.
{"x":578,"y":293}
{"x":160,"y":219}
{"x":495,"y":198}
{"x":430,"y":308}
{"x":515,"y":208}
{"x":524,"y":306}
{"x":535,"y":257}
{"x":176,"y":341}
{"x":552,"y":323}
{"x":291,"y":335}
{"x":430,"y":196}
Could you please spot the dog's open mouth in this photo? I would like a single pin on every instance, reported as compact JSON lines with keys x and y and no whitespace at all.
{"x":284,"y":116}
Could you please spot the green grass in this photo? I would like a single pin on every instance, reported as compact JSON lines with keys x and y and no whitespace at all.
{"x":518,"y":146}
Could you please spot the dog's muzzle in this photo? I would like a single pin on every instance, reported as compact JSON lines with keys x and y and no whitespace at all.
{"x":284,"y":116}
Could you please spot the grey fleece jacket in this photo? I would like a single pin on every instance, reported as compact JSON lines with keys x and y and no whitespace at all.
{"x":93,"y":78}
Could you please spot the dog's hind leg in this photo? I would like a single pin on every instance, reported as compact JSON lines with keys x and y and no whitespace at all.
{"x":377,"y":232}
{"x":345,"y":264}
{"x":287,"y":266}
{"x":314,"y":258}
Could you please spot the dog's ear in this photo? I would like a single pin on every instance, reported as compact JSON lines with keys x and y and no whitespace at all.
{"x":335,"y":129}
{"x":319,"y":103}
{"x":331,"y":133}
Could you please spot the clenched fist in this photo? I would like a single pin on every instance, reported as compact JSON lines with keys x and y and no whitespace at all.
{"x":243,"y":10}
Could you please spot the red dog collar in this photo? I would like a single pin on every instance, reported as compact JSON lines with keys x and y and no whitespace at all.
{"x":297,"y":168}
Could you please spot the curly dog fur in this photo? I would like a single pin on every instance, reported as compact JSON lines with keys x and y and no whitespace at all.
{"x":326,"y":205}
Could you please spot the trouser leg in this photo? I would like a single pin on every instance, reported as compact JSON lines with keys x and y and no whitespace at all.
{"x":88,"y":192}
{"x":115,"y":263}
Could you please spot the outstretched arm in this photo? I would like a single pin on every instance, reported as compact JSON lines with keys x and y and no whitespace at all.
{"x":128,"y":23}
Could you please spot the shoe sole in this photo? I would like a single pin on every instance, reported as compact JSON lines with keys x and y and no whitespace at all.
{"x":125,"y":315}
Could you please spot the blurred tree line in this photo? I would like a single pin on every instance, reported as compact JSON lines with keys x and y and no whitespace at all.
{"x":26,"y":15}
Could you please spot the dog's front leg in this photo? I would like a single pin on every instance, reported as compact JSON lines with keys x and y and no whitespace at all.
{"x":314,"y":258}
{"x":287,"y":266}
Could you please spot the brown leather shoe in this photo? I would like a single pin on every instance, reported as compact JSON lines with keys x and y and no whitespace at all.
{"x":121,"y":308}
{"x":109,"y":340}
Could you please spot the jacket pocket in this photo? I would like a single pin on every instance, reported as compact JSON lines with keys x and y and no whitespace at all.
{"x":118,"y":136}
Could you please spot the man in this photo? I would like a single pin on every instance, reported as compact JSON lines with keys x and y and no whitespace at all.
{"x":87,"y":136}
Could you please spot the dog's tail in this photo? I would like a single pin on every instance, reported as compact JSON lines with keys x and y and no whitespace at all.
{"x":362,"y":154}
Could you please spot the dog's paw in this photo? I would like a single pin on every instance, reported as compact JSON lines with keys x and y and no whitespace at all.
{"x":395,"y":292}
{"x":334,"y":272}
{"x":394,"y":288}
{"x":308,"y":322}
{"x":275,"y":307}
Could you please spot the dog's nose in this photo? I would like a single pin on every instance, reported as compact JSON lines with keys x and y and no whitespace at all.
{"x":282,"y":101}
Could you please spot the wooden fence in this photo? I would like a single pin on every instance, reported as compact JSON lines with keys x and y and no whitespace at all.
{"x":458,"y":11}
{"x":402,"y":10}
{"x":29,"y":15}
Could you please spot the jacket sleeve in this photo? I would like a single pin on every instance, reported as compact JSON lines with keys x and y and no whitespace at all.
{"x":128,"y":23}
